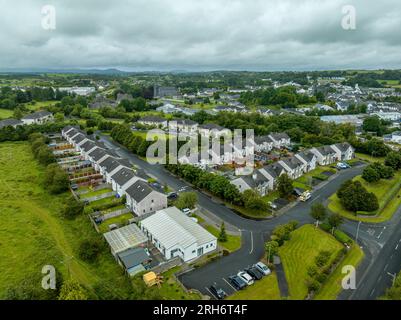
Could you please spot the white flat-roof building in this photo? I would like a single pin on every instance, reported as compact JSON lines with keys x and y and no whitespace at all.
{"x":175,"y":234}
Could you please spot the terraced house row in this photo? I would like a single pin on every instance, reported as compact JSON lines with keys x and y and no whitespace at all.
{"x":264,"y":179}
{"x":141,"y":197}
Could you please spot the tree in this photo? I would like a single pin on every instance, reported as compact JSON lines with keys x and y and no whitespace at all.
{"x":370,"y":174}
{"x":318,"y":212}
{"x":90,"y":249}
{"x":393,"y":160}
{"x":271,"y":249}
{"x":354,"y":197}
{"x":222,"y":234}
{"x":284,"y":186}
{"x":373,"y":124}
{"x":72,"y":290}
{"x":252,"y":200}
{"x":56,"y":180}
{"x":72,"y":208}
{"x":187,"y":200}
{"x":334,"y":220}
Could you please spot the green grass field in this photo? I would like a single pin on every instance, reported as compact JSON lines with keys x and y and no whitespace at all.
{"x":33,"y":233}
{"x":299,"y":253}
{"x":5,"y":114}
{"x":264,"y":289}
{"x":38,"y":105}
{"x":332,"y":287}
{"x":383,"y":190}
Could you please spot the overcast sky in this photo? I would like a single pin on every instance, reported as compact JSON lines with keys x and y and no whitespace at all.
{"x":200,"y":35}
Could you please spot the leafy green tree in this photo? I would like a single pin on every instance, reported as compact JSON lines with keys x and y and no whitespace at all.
{"x":335,"y":220}
{"x":318,"y":212}
{"x":72,"y":290}
{"x":370,"y":174}
{"x":252,"y":200}
{"x":222,"y":235}
{"x":373,"y":124}
{"x":72,"y":208}
{"x":393,"y":160}
{"x":90,"y":249}
{"x":284,"y":186}
{"x":187,"y":200}
{"x":56,"y":180}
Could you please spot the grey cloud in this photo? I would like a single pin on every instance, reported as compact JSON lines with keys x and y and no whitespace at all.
{"x":208,"y":34}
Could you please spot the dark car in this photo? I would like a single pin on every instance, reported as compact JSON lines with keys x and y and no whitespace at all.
{"x":237,"y":282}
{"x":217,"y":292}
{"x":254,"y":273}
{"x":172,"y":195}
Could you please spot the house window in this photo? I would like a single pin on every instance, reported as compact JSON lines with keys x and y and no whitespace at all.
{"x":153,"y":201}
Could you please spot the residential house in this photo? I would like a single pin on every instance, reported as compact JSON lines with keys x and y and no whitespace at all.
{"x":143,"y":199}
{"x":153,"y":121}
{"x":211,"y":130}
{"x":393,"y":137}
{"x":97,"y":156}
{"x":280,"y":140}
{"x":110,"y":165}
{"x":10,"y":122}
{"x":344,"y":151}
{"x":175,"y":234}
{"x":123,"y":179}
{"x":263,"y":143}
{"x":308,"y":158}
{"x":38,"y":117}
{"x":294,"y":167}
{"x":325,"y":155}
{"x":183,"y":125}
{"x":257,"y":181}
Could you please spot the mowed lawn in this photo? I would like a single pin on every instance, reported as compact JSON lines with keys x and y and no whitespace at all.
{"x":5,"y":113}
{"x":33,"y":234}
{"x":299,"y":253}
{"x":332,"y":287}
{"x":387,"y":194}
{"x":264,"y":289}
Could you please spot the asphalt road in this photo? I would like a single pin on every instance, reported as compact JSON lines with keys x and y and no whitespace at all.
{"x":380,"y":242}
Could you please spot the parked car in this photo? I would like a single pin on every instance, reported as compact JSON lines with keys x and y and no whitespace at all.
{"x":172,"y":195}
{"x":187,"y":211}
{"x":254,"y":273}
{"x":237,"y":282}
{"x":305,"y":196}
{"x":262,"y":268}
{"x":246,"y":277}
{"x":74,"y":187}
{"x":217,"y":292}
{"x":342,"y":165}
{"x":272,"y":205}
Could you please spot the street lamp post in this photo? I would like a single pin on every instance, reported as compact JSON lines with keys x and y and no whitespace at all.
{"x":357,"y":232}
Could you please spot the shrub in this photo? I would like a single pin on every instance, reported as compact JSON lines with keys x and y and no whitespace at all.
{"x":323,"y":258}
{"x":90,"y":249}
{"x":72,"y":208}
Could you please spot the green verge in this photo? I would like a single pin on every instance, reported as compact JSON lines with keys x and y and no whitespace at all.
{"x":233,"y":242}
{"x":388,"y":193}
{"x":332,"y":286}
{"x":299,"y":253}
{"x":264,"y":289}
